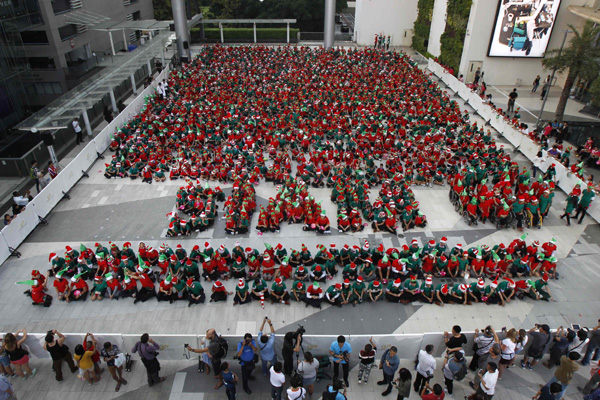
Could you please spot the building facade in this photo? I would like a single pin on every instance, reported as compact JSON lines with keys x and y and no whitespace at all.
{"x":52,"y":55}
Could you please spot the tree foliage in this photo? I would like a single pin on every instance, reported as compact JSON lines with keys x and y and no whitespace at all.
{"x":309,"y":13}
{"x":422,"y":25}
{"x":579,"y":59}
{"x":453,"y":38}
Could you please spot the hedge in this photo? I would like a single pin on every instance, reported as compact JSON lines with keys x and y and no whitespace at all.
{"x":245,"y":33}
{"x":453,"y":38}
{"x":422,"y":25}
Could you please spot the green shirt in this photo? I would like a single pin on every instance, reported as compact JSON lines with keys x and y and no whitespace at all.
{"x":279,"y":289}
{"x":427,"y":289}
{"x":394,"y":289}
{"x":99,"y":287}
{"x":195,"y":288}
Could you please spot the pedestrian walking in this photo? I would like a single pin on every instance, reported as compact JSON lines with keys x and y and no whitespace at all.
{"x":536,"y":84}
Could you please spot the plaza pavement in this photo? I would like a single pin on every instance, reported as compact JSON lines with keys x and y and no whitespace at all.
{"x":124,"y":210}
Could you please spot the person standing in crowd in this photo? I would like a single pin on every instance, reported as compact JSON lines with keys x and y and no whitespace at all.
{"x":114,"y":359}
{"x":549,"y":392}
{"x":296,"y":391}
{"x":308,"y":369}
{"x":246,"y":351}
{"x":35,"y":174}
{"x":288,"y":351}
{"x":587,"y":196}
{"x":536,"y":83}
{"x":592,"y":351}
{"x":367,"y":359}
{"x":59,"y":352}
{"x":435,"y":393}
{"x":455,"y":341}
{"x":545,"y":87}
{"x":6,"y":389}
{"x":564,"y":373}
{"x":277,"y":379}
{"x":426,"y":365}
{"x":482,"y":344}
{"x":512,"y":97}
{"x":340,"y":350}
{"x":403,"y":384}
{"x":148,"y":349}
{"x":77,"y":130}
{"x":389,"y":364}
{"x":19,"y":357}
{"x":540,"y":336}
{"x":454,"y":367}
{"x":85,"y":363}
{"x":507,"y":348}
{"x":267,"y":353}
{"x":230,"y":379}
{"x":216,"y":352}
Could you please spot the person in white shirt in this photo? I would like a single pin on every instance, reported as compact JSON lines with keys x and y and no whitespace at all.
{"x":507,"y":347}
{"x":77,"y":129}
{"x":277,"y":379}
{"x":425,"y":367}
{"x":20,"y":200}
{"x":487,"y":387}
{"x":296,"y":391}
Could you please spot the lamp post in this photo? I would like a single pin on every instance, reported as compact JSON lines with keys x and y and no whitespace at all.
{"x":329,"y":28}
{"x":567,"y":31}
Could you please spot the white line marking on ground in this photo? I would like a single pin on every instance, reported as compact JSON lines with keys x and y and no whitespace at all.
{"x":103,"y":200}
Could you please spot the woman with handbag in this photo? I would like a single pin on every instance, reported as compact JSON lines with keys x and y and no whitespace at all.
{"x":308,"y":370}
{"x":115,"y":360}
{"x":507,"y":348}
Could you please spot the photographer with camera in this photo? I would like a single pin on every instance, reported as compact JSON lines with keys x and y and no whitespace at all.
{"x":481,"y":346}
{"x":267,"y":353}
{"x":340,"y":350}
{"x":148,"y":351}
{"x":289,"y":348}
{"x":247,"y":354}
{"x":59,"y":352}
{"x":217,"y":350}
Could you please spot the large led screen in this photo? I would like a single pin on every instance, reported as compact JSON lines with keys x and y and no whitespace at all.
{"x":523,"y":28}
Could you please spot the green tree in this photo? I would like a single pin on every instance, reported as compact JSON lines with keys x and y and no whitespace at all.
{"x":162,"y":10}
{"x":578,"y":59}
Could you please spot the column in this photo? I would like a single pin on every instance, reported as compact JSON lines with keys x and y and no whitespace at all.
{"x":149,"y":65}
{"x":112,"y":44}
{"x":288,"y":33}
{"x":113,"y":101}
{"x":86,"y":121}
{"x":133,"y":84}
{"x":329,"y":28}
{"x":181,"y":30}
{"x":221,"y":29}
{"x":125,"y":41}
{"x":254,"y":32}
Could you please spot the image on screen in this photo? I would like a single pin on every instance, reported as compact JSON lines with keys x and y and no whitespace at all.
{"x":523,"y":28}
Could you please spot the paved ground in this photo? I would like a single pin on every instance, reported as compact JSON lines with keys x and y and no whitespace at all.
{"x":119,"y":211}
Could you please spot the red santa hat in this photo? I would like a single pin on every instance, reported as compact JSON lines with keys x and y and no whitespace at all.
{"x":189,"y":282}
{"x":278,"y":281}
{"x":52,"y":256}
{"x":221,"y":249}
{"x":414,"y":241}
{"x":545,"y":277}
{"x":429,"y":280}
{"x":511,"y":283}
{"x":241,"y":283}
{"x":207,"y":245}
{"x":495,"y":283}
{"x":480,"y":283}
{"x":462,"y":287}
{"x":179,"y":247}
{"x":432,"y":242}
{"x":359,"y":279}
{"x":444,"y":239}
{"x":444,"y":288}
{"x":217,"y":284}
{"x":397,"y":282}
{"x":68,"y":249}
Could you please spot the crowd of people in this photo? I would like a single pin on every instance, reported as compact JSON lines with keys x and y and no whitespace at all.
{"x":299,"y":370}
{"x":363,"y":273}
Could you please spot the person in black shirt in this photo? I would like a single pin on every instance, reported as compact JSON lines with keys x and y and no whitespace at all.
{"x":512,"y":97}
{"x":59,"y":352}
{"x":455,"y":341}
{"x":288,"y":351}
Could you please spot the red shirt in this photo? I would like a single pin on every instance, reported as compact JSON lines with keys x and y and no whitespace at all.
{"x":432,"y":396}
{"x":61,"y":285}
{"x":146,"y":281}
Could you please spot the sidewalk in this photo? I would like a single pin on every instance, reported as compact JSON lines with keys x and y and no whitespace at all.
{"x":185,"y":382}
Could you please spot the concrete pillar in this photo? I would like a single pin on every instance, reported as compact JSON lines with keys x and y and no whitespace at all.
{"x":181,"y":30}
{"x":86,"y":121}
{"x":125,"y":41}
{"x":329,"y":28}
{"x":133,"y":84}
{"x":149,"y":65}
{"x":254,"y":25}
{"x":113,"y":101}
{"x":112,"y":44}
{"x":288,"y":33}
{"x":221,"y":29}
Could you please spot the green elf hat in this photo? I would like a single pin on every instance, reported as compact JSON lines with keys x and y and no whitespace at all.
{"x":162,"y":257}
{"x":82,"y":247}
{"x":553,"y":240}
{"x":169,"y":278}
{"x":60,"y":273}
{"x":100,"y":255}
{"x":109,"y":276}
{"x":268,"y":246}
{"x":434,"y":252}
{"x":31,"y":282}
{"x":523,"y":237}
{"x":75,"y":278}
{"x":316,"y":284}
{"x":495,"y":256}
{"x":474,"y":201}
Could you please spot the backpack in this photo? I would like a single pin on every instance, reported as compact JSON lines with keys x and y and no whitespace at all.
{"x":327,"y":395}
{"x":461,"y":373}
{"x":223,"y":347}
{"x":296,"y":379}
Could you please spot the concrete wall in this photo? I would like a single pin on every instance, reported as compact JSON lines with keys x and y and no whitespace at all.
{"x":506,"y":70}
{"x":395,"y":18}
{"x":438,"y":25}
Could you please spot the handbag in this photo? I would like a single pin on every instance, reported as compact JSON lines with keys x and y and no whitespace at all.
{"x":255,"y":358}
{"x":120,"y":360}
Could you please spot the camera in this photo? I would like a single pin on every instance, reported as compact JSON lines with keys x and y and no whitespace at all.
{"x":185,"y":346}
{"x":266,"y":318}
{"x":300,"y":331}
{"x":345,"y":355}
